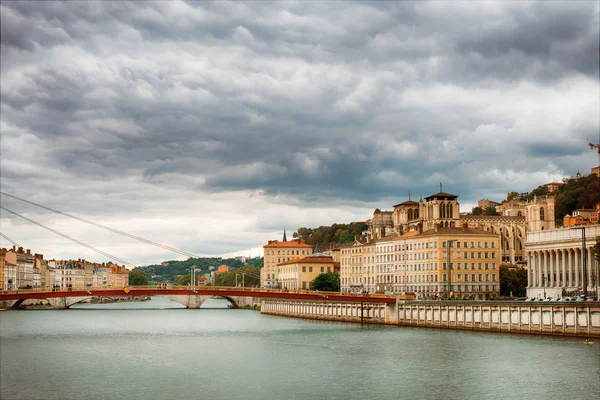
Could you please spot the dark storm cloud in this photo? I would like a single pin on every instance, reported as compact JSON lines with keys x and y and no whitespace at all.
{"x":332,"y":100}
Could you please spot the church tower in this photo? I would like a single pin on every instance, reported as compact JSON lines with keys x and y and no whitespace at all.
{"x":441,"y":209}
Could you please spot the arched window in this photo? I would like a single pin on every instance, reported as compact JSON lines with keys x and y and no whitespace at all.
{"x":416,"y":214}
{"x":449,"y":213}
{"x":442,"y":210}
{"x":542,"y":213}
{"x":410,"y":215}
{"x":519,"y":214}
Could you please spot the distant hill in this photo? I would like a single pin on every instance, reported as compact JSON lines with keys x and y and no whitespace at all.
{"x":168,"y":270}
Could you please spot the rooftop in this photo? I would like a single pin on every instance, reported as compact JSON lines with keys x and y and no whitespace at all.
{"x":323,"y":259}
{"x":442,"y":194}
{"x":293,"y":243}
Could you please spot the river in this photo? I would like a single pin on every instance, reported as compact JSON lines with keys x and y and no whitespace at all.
{"x":150,"y":350}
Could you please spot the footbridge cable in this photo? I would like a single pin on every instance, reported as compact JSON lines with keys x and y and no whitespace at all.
{"x":9,"y":239}
{"x":79,"y":242}
{"x":108,"y":228}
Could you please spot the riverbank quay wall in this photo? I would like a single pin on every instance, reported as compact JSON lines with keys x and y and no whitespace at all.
{"x":546,"y":318}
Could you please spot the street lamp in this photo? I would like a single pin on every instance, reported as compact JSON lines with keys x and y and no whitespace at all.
{"x":583,"y":259}
{"x":544,"y":284}
{"x":193,"y":269}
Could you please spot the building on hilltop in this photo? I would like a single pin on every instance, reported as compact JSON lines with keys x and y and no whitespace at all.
{"x":442,"y":210}
{"x":276,"y":252}
{"x":553,"y":186}
{"x":485,"y":203}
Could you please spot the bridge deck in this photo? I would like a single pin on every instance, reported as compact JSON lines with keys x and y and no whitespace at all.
{"x":202,"y":291}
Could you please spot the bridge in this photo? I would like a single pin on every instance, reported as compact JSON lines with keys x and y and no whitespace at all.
{"x":190,"y":297}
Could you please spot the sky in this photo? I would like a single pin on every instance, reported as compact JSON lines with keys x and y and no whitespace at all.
{"x":211,"y":127}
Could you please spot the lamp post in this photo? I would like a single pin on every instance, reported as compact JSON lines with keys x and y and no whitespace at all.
{"x":193,"y":276}
{"x":544,"y":284}
{"x":583,"y":259}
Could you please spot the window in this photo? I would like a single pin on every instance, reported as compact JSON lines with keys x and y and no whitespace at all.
{"x":486,"y":254}
{"x":322,"y":269}
{"x":480,"y":275}
{"x":466,"y":277}
{"x":309,"y":269}
{"x":542,"y":214}
{"x":478,"y":265}
{"x":303,"y":269}
{"x":487,"y":266}
{"x":478,"y":254}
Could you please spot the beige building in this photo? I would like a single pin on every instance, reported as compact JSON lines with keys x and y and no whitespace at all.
{"x":442,"y":210}
{"x":357,"y":267}
{"x":300,"y":272}
{"x":555,"y":262}
{"x":553,"y":186}
{"x":448,"y":262}
{"x":276,"y":252}
{"x":8,"y":269}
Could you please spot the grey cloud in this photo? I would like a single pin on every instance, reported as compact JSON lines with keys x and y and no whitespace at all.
{"x":254,"y":96}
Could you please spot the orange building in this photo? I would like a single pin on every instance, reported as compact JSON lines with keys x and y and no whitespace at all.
{"x":221,"y":269}
{"x":202,"y":281}
{"x":276,"y":252}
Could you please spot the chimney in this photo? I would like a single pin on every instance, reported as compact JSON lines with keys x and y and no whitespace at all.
{"x":20,"y":250}
{"x":14,"y":249}
{"x":29,"y":251}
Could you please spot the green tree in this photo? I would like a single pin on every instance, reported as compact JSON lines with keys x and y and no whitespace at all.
{"x":477,"y":211}
{"x":328,"y":281}
{"x":137,"y":278}
{"x":576,"y":193}
{"x":183,"y":280}
{"x":247,"y":275}
{"x":512,"y":195}
{"x":490,"y":211}
{"x":513,"y":280}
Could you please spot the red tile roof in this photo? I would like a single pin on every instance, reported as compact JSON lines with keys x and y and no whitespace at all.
{"x":311,"y":260}
{"x":295,"y":243}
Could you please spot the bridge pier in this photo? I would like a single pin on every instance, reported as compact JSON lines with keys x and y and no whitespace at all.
{"x":63,"y":303}
{"x":189,"y":301}
{"x":391,"y":312}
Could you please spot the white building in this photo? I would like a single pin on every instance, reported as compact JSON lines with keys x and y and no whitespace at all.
{"x":555,"y":262}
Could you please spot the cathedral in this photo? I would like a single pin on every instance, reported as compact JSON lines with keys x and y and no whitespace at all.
{"x":442,"y":210}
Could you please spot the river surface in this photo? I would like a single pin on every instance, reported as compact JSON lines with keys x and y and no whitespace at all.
{"x":148,"y":351}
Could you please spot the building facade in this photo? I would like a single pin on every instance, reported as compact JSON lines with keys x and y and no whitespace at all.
{"x":276,"y":252}
{"x":442,"y":210}
{"x":555,"y":262}
{"x":300,"y":272}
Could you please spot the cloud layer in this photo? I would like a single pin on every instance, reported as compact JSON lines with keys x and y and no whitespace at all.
{"x":240,"y":118}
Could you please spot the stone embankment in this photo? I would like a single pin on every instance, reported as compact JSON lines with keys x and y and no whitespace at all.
{"x":561,"y":319}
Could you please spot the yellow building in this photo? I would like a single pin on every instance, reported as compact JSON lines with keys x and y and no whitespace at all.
{"x":299,"y":273}
{"x":419,"y":262}
{"x":276,"y":252}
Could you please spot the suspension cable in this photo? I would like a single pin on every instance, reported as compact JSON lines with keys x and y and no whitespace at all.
{"x":9,"y":239}
{"x":70,"y":238}
{"x":108,"y":228}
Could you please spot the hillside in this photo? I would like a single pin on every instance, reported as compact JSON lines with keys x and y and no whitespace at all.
{"x":168,"y":270}
{"x":331,"y":235}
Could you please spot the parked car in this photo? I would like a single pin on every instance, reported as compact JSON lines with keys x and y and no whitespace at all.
{"x":521,"y":299}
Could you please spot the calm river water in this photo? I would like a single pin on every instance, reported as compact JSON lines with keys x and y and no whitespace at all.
{"x":117,"y":351}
